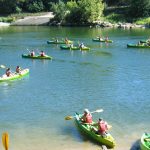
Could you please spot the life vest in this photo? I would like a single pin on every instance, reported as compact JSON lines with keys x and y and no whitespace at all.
{"x":102,"y":127}
{"x":88,"y":118}
{"x":42,"y":54}
{"x":32,"y":54}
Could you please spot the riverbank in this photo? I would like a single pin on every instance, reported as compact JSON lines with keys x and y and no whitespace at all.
{"x":45,"y":19}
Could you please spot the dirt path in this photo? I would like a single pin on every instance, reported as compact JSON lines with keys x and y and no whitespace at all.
{"x":34,"y":20}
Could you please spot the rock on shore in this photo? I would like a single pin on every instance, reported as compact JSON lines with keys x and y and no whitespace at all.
{"x":104,"y":24}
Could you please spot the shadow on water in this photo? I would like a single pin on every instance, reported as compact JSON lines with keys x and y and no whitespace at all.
{"x":136,"y":145}
{"x":102,"y":53}
{"x":80,"y":63}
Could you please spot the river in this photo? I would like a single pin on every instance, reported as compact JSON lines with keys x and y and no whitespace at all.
{"x":111,"y":77}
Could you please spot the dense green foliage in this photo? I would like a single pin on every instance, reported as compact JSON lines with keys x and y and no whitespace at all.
{"x":80,"y":11}
{"x":139,"y":8}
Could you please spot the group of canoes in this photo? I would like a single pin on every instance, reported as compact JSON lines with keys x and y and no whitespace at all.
{"x":70,"y":46}
{"x":9,"y":75}
{"x":140,"y":44}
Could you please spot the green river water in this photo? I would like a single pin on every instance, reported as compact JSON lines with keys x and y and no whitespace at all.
{"x":110,"y":76}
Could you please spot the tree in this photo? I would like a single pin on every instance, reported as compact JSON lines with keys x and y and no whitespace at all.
{"x":139,"y":8}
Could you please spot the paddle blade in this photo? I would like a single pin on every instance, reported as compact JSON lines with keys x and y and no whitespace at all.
{"x":99,"y":110}
{"x":2,"y":66}
{"x":5,"y":140}
{"x":68,"y":118}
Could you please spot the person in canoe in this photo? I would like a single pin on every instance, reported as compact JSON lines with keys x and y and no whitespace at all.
{"x":8,"y":72}
{"x":18,"y":69}
{"x":42,"y":54}
{"x":56,"y":40}
{"x":100,"y":38}
{"x":106,"y":39}
{"x":87,"y":117}
{"x":32,"y":53}
{"x":71,"y":45}
{"x":102,"y":127}
{"x":81,"y":46}
{"x":66,"y":41}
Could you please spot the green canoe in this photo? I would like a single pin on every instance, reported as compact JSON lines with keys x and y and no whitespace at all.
{"x":86,"y":129}
{"x":14,"y":75}
{"x":97,"y":40}
{"x":145,"y":141}
{"x":66,"y":47}
{"x":36,"y":57}
{"x":137,"y":46}
{"x":59,"y":42}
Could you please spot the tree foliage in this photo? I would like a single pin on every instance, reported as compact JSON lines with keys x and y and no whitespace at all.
{"x":139,"y":8}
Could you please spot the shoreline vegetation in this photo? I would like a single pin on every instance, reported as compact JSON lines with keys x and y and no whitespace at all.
{"x":96,"y":13}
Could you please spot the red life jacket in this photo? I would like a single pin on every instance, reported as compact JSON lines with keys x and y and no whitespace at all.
{"x":42,"y":54}
{"x":32,"y":54}
{"x":88,"y":118}
{"x":102,"y":127}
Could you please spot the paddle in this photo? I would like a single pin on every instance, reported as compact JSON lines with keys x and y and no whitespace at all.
{"x":71,"y":117}
{"x":5,"y":140}
{"x":2,"y":66}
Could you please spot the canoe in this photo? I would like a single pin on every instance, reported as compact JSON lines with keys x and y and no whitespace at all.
{"x":137,"y":46}
{"x":86,"y":129}
{"x":66,"y":47}
{"x":14,"y":75}
{"x":36,"y":57}
{"x":59,"y":42}
{"x":145,"y":141}
{"x":97,"y":40}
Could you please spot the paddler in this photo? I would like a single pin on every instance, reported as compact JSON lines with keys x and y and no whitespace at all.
{"x":32,"y":53}
{"x":87,"y":117}
{"x":18,"y":69}
{"x":102,"y":127}
{"x":8,"y":72}
{"x":42,"y":54}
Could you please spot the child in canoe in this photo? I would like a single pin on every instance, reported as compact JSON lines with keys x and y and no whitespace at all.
{"x":8,"y":72}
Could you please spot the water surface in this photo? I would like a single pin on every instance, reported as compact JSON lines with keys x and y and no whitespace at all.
{"x":110,"y":76}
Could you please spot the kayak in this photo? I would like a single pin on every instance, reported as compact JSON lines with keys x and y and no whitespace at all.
{"x":137,"y":46}
{"x":59,"y":42}
{"x":97,"y":40}
{"x":14,"y":75}
{"x":145,"y":141}
{"x":66,"y":47}
{"x":87,"y":130}
{"x":36,"y":57}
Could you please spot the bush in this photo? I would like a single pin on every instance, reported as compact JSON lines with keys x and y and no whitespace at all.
{"x":139,"y":8}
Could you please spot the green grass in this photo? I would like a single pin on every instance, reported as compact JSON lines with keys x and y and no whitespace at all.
{"x":114,"y":18}
{"x":143,"y":21}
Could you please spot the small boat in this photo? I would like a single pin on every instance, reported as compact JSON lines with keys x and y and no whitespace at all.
{"x":87,"y":130}
{"x":66,"y":47}
{"x":59,"y":42}
{"x":14,"y":75}
{"x":137,"y":46}
{"x":36,"y":57}
{"x":98,"y":40}
{"x":145,"y":141}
